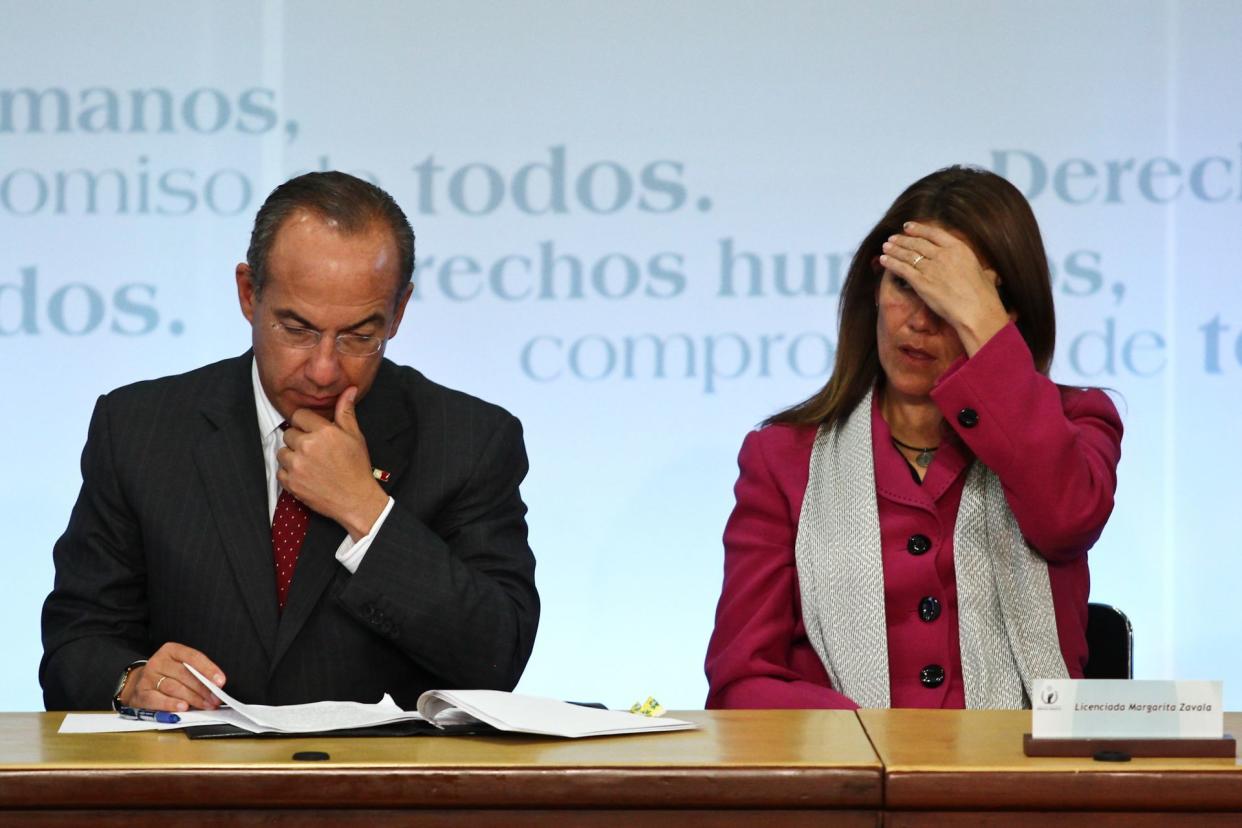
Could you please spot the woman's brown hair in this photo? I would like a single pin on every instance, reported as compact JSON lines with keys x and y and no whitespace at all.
{"x":996,"y":221}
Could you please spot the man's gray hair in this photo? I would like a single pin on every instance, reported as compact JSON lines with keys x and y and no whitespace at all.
{"x":351,"y":203}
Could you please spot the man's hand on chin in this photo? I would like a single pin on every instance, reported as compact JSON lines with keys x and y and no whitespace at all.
{"x":325,"y":464}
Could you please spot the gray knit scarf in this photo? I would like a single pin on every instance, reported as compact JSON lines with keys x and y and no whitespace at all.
{"x":1007,"y":628}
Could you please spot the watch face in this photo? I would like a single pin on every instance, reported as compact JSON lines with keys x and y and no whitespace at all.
{"x":120,"y":685}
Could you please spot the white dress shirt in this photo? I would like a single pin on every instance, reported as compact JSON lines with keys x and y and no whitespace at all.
{"x":349,"y":553}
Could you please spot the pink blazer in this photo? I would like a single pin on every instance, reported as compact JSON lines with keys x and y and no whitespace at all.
{"x":1055,"y":451}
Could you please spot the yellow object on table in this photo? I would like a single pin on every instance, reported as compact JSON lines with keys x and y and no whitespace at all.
{"x":650,"y":707}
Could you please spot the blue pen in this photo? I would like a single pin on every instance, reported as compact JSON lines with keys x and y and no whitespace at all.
{"x":148,"y":715}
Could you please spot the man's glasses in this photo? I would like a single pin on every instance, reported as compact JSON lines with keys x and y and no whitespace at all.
{"x":347,"y":344}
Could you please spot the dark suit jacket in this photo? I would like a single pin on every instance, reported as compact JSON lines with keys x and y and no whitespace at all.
{"x":170,"y":541}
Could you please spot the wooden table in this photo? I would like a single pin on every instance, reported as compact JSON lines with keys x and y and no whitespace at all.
{"x":954,"y":767}
{"x":740,"y":767}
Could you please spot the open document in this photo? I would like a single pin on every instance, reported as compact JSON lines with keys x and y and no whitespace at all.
{"x":442,"y":708}
{"x":531,"y":714}
{"x":316,"y":717}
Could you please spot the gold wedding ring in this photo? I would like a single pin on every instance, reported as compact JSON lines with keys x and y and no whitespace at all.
{"x":918,"y":257}
{"x":158,"y":683}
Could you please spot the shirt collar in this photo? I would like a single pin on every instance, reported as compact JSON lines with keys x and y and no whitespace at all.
{"x":269,"y":417}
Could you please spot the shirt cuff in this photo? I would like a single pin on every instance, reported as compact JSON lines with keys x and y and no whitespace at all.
{"x":350,"y":553}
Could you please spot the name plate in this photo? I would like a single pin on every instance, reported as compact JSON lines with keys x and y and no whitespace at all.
{"x":1120,"y":709}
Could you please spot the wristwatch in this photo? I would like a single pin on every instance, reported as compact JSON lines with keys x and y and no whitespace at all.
{"x":120,"y":685}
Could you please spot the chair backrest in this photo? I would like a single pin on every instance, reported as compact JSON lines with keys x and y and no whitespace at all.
{"x":1110,"y":643}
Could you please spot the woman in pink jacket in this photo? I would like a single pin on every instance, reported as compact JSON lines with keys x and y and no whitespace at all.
{"x":915,"y":534}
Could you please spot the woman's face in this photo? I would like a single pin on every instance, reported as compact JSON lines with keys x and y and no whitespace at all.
{"x":915,"y":345}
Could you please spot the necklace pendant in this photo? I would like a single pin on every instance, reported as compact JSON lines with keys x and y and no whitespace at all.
{"x":925,"y":457}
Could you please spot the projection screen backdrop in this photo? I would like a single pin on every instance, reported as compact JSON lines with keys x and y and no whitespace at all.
{"x":633,"y":220}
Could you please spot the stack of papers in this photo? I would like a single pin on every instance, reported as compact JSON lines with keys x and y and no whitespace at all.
{"x":532,"y":714}
{"x":509,"y":712}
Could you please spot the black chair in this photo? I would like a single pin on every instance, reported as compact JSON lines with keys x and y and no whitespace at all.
{"x":1110,"y":643}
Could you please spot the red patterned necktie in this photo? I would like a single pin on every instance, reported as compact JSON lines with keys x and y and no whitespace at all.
{"x":288,"y":532}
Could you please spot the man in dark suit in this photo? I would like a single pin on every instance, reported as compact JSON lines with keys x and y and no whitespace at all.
{"x":306,"y":521}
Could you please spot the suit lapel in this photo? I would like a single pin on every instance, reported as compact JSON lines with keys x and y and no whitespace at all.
{"x":230,"y":460}
{"x":387,"y":421}
{"x":387,"y":424}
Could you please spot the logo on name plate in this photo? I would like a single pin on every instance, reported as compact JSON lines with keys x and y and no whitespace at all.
{"x":1049,"y":696}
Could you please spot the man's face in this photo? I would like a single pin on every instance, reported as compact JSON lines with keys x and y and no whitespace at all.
{"x":333,"y":283}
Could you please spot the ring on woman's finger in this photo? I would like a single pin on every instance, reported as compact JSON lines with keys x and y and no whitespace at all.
{"x":158,"y":683}
{"x":918,"y":257}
